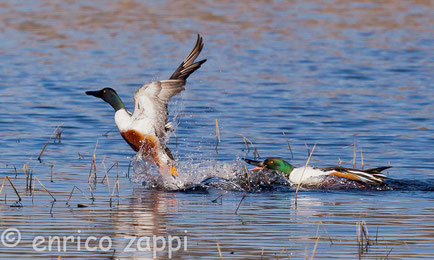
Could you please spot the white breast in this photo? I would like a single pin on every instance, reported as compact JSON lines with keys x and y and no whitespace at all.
{"x":307,"y":175}
{"x":123,"y":120}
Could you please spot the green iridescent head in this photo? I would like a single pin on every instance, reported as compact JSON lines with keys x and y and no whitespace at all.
{"x":110,"y":96}
{"x":272,"y":164}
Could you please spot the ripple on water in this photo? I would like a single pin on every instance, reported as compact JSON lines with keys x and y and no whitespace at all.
{"x":329,"y":73}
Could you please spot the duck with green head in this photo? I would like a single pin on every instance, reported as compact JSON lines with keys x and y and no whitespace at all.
{"x":313,"y":175}
{"x":147,"y":128}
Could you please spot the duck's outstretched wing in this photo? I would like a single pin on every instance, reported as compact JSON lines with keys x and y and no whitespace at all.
{"x":150,"y":103}
{"x":188,"y":66}
{"x":150,"y":100}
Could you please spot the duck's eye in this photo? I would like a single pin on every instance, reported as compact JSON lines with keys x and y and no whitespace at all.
{"x":104,"y":91}
{"x":271,"y":162}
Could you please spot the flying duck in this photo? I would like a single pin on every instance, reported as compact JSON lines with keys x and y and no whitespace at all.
{"x":146,"y":129}
{"x":309,"y":175}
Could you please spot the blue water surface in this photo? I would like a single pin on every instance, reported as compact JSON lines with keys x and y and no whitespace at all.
{"x":332,"y":73}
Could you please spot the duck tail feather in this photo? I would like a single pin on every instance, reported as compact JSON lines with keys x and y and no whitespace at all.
{"x":369,"y":176}
{"x":377,"y":170}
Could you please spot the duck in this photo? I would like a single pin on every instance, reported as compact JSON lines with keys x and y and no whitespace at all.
{"x":147,"y":128}
{"x":314,"y":175}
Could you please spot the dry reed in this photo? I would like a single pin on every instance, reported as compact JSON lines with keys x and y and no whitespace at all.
{"x":354,"y":155}
{"x":239,"y":204}
{"x":72,"y":191}
{"x":45,"y":146}
{"x":217,"y":134}
{"x":45,"y":188}
{"x":219,"y":250}
{"x":301,"y":178}
{"x":289,"y":145}
{"x":12,"y":185}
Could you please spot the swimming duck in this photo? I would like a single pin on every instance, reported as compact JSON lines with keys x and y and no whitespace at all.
{"x":147,"y":128}
{"x":309,"y":175}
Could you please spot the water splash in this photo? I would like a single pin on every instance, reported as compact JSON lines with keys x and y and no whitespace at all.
{"x":190,"y":174}
{"x":202,"y":175}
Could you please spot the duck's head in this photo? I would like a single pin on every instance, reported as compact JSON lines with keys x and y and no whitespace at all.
{"x":110,"y":96}
{"x":273,"y":164}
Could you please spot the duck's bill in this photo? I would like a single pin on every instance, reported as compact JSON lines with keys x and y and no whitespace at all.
{"x":253,"y":162}
{"x":94,"y":93}
{"x":259,"y":165}
{"x":258,"y":168}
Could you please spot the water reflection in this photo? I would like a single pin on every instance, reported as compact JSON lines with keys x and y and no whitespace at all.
{"x":139,"y":221}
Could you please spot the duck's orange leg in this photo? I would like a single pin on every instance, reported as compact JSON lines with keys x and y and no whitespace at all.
{"x":168,"y":168}
{"x":173,"y":171}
